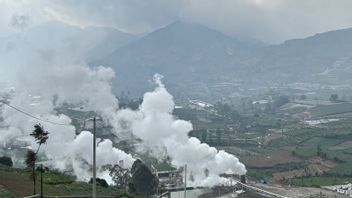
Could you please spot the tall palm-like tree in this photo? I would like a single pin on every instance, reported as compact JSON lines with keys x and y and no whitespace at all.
{"x":41,"y":136}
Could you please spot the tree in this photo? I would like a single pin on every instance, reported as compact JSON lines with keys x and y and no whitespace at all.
{"x":206,"y":172}
{"x":30,"y":158}
{"x":30,"y":162}
{"x":40,"y":136}
{"x":131,"y":188}
{"x":268,"y":108}
{"x":336,"y":159}
{"x":100,"y":182}
{"x":143,"y":180}
{"x":191,"y":177}
{"x":121,"y":176}
{"x":204,"y":135}
{"x":303,"y":97}
{"x":280,"y":101}
{"x":227,"y":111}
{"x":7,"y":161}
{"x":319,"y":150}
{"x":334,"y":97}
{"x":324,"y":155}
{"x":218,"y":136}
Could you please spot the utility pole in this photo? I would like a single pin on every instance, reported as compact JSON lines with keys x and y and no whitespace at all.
{"x":185,"y":187}
{"x":41,"y":180}
{"x":94,"y":159}
{"x":34,"y":177}
{"x":94,"y":183}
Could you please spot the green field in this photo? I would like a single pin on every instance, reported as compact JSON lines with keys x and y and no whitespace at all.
{"x":321,"y":181}
{"x":308,"y":148}
{"x":343,"y":169}
{"x":260,"y":173}
{"x":343,"y":146}
{"x":326,"y":110}
{"x":4,"y":192}
{"x":236,"y":151}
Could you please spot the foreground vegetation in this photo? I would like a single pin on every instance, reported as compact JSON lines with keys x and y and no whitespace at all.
{"x":314,"y":153}
{"x":271,"y":139}
{"x":5,"y":193}
{"x":321,"y":181}
{"x":15,"y":182}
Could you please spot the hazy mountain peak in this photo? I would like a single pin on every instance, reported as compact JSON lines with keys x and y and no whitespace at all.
{"x":181,"y":52}
{"x":188,"y":32}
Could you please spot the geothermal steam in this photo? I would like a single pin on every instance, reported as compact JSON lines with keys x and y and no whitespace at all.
{"x":46,"y":80}
{"x":153,"y":122}
{"x":47,"y":88}
{"x":157,"y":127}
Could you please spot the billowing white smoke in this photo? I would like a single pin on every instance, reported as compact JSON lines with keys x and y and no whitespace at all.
{"x":46,"y":88}
{"x":157,"y":127}
{"x":46,"y":79}
{"x":90,"y":88}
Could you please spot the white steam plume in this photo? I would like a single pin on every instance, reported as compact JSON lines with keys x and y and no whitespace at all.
{"x":157,"y":127}
{"x":73,"y":84}
{"x":90,"y":88}
{"x":45,"y":70}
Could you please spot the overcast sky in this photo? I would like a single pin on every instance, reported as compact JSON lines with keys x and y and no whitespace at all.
{"x":268,"y":20}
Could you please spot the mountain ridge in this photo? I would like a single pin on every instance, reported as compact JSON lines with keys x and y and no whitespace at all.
{"x":182,"y":52}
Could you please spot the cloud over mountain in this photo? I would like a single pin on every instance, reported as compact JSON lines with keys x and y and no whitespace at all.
{"x":267,"y":20}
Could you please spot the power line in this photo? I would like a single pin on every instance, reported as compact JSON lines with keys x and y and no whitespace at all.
{"x":32,"y":116}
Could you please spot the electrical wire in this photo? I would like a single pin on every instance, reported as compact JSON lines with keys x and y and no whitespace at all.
{"x":32,"y":116}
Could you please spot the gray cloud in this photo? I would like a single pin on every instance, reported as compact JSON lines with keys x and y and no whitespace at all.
{"x":268,"y":20}
{"x":20,"y":21}
{"x":271,"y":20}
{"x":129,"y":15}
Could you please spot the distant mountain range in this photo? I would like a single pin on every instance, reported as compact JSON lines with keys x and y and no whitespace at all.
{"x":197,"y":62}
{"x":184,"y":54}
{"x":194,"y":59}
{"x":324,"y":58}
{"x":54,"y":40}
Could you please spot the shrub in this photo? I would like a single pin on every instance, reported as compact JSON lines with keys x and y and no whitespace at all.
{"x":7,"y":161}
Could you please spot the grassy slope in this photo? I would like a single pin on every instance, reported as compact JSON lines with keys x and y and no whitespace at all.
{"x":4,"y":192}
{"x":17,"y":182}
